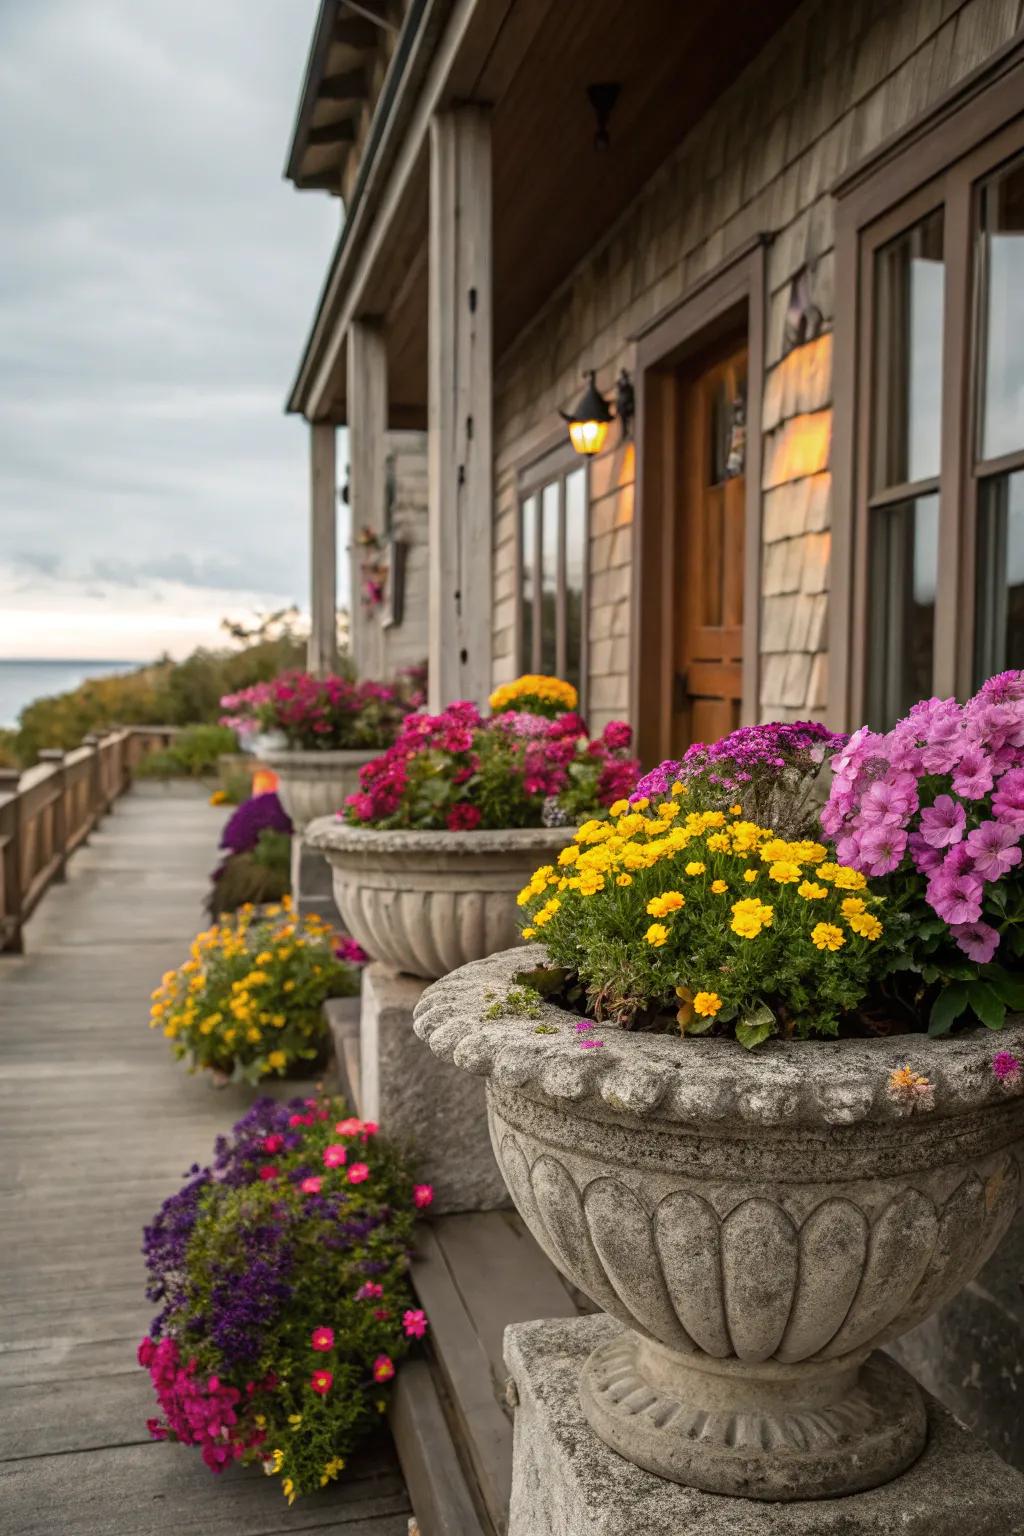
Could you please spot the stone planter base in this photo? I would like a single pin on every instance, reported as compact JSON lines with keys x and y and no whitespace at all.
{"x":312,"y":891}
{"x":566,"y":1482}
{"x":440,"y":1111}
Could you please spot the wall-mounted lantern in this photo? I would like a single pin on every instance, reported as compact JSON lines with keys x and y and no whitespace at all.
{"x":588,"y":424}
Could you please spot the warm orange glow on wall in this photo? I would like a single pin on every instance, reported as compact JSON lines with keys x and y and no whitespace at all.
{"x":799,"y":448}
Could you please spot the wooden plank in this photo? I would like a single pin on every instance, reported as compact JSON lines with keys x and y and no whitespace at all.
{"x":367,"y":395}
{"x":323,"y":549}
{"x":433,"y":1475}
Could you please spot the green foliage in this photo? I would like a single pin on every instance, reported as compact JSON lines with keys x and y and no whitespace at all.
{"x":257,"y":876}
{"x":193,"y":753}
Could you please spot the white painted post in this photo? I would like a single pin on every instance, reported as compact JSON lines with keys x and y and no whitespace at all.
{"x":322,"y":654}
{"x":367,"y":393}
{"x":460,"y":494}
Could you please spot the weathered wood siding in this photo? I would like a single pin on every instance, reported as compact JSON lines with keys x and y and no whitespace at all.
{"x":832,"y":85}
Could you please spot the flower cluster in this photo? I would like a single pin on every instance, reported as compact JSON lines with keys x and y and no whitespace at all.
{"x":769,"y":769}
{"x":708,"y":920}
{"x":321,"y":712}
{"x":281,"y":1270}
{"x":535,"y":695}
{"x":460,"y":771}
{"x":935,"y":808}
{"x":247,"y":1002}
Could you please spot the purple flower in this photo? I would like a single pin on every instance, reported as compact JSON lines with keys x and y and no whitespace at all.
{"x":887,"y":803}
{"x":994,"y":849}
{"x":881,"y":849}
{"x":977,"y":940}
{"x":260,"y":813}
{"x":587,"y":1045}
{"x":942,"y":823}
{"x":973,"y":777}
{"x":956,"y":898}
{"x":1008,"y":800}
{"x":926,"y":858}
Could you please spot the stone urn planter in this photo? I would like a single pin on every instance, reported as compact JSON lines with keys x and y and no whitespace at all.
{"x":429,"y":902}
{"x":312,"y":784}
{"x":761,"y":1222}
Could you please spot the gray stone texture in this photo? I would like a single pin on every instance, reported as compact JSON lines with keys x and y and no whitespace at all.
{"x":312,"y":886}
{"x":312,"y":784}
{"x":567,"y":1483}
{"x":437,"y":1110}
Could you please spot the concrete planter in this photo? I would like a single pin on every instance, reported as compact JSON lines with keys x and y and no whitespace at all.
{"x":761,"y":1222}
{"x":312,"y":784}
{"x":429,"y":902}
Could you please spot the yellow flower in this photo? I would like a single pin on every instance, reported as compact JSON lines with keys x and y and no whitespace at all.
{"x":591,"y":881}
{"x":656,"y":934}
{"x":827,"y":936}
{"x":667,"y":810}
{"x":707,"y":1004}
{"x":735,"y":810}
{"x":524,"y":895}
{"x":623,"y":879}
{"x":695,"y":867}
{"x":529,"y":933}
{"x":750,"y":875}
{"x":810,"y":890}
{"x":278,"y":1460}
{"x":853,"y":906}
{"x":828,"y":871}
{"x":661,"y":906}
{"x":866,"y":925}
{"x":277,"y":1019}
{"x":619,"y":808}
{"x":288,"y":1489}
{"x":718,"y":842}
{"x":847,"y":879}
{"x":750,"y":916}
{"x":774,"y":848}
{"x":642,"y":803}
{"x":552,"y":690}
{"x":288,"y":986}
{"x":277,"y":1060}
{"x":569,"y":855}
{"x":295,"y":1419}
{"x":719,"y":887}
{"x":678,"y":788}
{"x":784,"y":872}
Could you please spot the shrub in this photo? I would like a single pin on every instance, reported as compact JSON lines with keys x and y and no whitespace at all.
{"x":193,"y":753}
{"x":325,"y":713}
{"x":459,"y":771}
{"x":281,"y":1273}
{"x":247,"y":1002}
{"x":703,"y":920}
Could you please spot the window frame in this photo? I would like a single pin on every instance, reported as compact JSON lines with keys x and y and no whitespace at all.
{"x":938,"y":162}
{"x":532,"y":479}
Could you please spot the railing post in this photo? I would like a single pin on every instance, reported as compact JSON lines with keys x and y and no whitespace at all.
{"x":55,"y":756}
{"x":11,"y":940}
{"x":92,"y":741}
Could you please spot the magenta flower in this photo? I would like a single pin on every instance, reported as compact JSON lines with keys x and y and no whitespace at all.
{"x":422,"y":1196}
{"x":926,"y":858}
{"x":973,"y":777}
{"x":414,"y":1322}
{"x":942,"y":823}
{"x":313,"y":1185}
{"x":321,"y":1382}
{"x":273,"y":1142}
{"x":994,"y":848}
{"x":882,"y":849}
{"x":977,"y":940}
{"x":1006,"y":1067}
{"x":268,"y":1172}
{"x":383,"y":1368}
{"x":590,"y":1045}
{"x":358,"y":1173}
{"x":371,"y":1291}
{"x":956,"y":898}
{"x":323,"y":1339}
{"x":335,"y":1155}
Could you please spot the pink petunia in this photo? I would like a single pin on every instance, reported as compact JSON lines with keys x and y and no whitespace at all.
{"x":268,"y":1172}
{"x":323,"y":1339}
{"x":383,"y":1368}
{"x":335,"y":1155}
{"x":350,"y":1127}
{"x":415,"y":1323}
{"x":994,"y":849}
{"x":313,"y":1185}
{"x":358,"y":1173}
{"x":273,"y":1143}
{"x":926,"y":858}
{"x":382,"y":1314}
{"x":942,"y":824}
{"x":321,"y":1382}
{"x":882,"y":849}
{"x":973,"y":776}
{"x":956,"y":898}
{"x":422,"y":1196}
{"x":977,"y":940}
{"x":370,"y":1291}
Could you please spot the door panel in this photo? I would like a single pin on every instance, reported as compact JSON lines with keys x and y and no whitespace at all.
{"x":710,"y":543}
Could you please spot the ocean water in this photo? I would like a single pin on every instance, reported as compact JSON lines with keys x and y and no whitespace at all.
{"x":23,"y":681}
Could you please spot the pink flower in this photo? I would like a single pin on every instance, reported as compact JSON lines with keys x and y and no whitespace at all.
{"x":323,"y":1339}
{"x":335,"y":1155}
{"x":415,"y":1323}
{"x":383,"y":1368}
{"x":370,"y":1291}
{"x":926,"y":858}
{"x":977,"y":940}
{"x":349,"y":1127}
{"x":882,"y":849}
{"x":973,"y":777}
{"x":589,"y":1045}
{"x":1008,"y":800}
{"x":381,"y":1314}
{"x":422,"y":1196}
{"x":370,"y":1128}
{"x":268,"y":1172}
{"x":273,"y":1143}
{"x":942,"y":823}
{"x":1006,"y":1067}
{"x":463,"y":818}
{"x":350,"y":951}
{"x":358,"y":1173}
{"x":956,"y":898}
{"x":321,"y":1381}
{"x":994,"y":849}
{"x":617,"y":735}
{"x":313,"y":1185}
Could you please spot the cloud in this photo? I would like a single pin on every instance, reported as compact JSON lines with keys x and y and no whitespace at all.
{"x":157,"y":279}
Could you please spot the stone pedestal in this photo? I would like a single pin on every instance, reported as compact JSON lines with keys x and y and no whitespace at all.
{"x":416,"y":1098}
{"x":312,"y":890}
{"x":566,"y":1482}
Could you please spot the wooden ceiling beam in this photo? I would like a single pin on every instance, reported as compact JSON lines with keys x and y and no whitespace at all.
{"x":356,"y":32}
{"x":321,"y":181}
{"x":341,"y":132}
{"x":351,"y":86}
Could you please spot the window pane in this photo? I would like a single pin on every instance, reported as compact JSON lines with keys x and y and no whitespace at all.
{"x":527,"y":582}
{"x":999,"y":619}
{"x":901,"y":622}
{"x":549,"y":579}
{"x":575,"y":570}
{"x":907,"y":396}
{"x":1002,"y":322}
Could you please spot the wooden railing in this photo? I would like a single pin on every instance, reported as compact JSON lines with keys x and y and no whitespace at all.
{"x":47,"y":811}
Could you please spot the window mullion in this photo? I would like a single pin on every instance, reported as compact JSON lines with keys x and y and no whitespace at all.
{"x":954,"y":599}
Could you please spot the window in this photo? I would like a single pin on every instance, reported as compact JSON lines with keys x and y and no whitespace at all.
{"x":928,"y":543}
{"x":553,"y":567}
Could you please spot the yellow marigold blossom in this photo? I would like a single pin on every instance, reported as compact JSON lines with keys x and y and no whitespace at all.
{"x":591,"y":882}
{"x":546,"y":912}
{"x":707,"y":1004}
{"x":750,"y":875}
{"x":642,"y":803}
{"x":827,"y":936}
{"x":661,"y":906}
{"x":278,"y":1060}
{"x":735,"y":810}
{"x":810,"y":890}
{"x":809,"y":852}
{"x":749,"y":917}
{"x":278,"y":1460}
{"x":629,"y":826}
{"x":774,"y":848}
{"x":678,"y":788}
{"x":866,"y":926}
{"x":568,"y":855}
{"x":656,"y":934}
{"x":853,"y":906}
{"x":624,"y":880}
{"x":524,"y":895}
{"x":552,"y":690}
{"x":828,"y":871}
{"x":719,"y":887}
{"x":529,"y":933}
{"x":713,"y":818}
{"x":667,"y":810}
{"x":695,"y":867}
{"x":847,"y":879}
{"x":618,"y":808}
{"x":719,"y":842}
{"x":288,"y":986}
{"x":784,"y":872}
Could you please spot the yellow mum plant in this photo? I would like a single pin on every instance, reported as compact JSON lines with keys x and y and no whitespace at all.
{"x":705,"y":921}
{"x":535,"y":695}
{"x":247,"y":1002}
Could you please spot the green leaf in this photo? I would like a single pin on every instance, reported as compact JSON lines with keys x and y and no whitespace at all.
{"x":947,"y":1007}
{"x":986,"y":1004}
{"x":1010,"y":989}
{"x":750,"y":1035}
{"x":546,"y":979}
{"x":698,"y":1025}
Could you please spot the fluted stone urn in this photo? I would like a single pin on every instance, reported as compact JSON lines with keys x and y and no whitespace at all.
{"x":429,"y":902}
{"x":761,"y":1221}
{"x":312,"y":784}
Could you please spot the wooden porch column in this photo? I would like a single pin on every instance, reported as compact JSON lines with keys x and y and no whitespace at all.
{"x":322,"y":654}
{"x":459,"y":380}
{"x":367,"y":394}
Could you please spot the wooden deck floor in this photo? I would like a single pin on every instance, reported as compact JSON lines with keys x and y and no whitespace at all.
{"x":97,"y":1123}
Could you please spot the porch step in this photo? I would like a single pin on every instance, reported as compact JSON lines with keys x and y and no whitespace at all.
{"x":475,"y":1273}
{"x":342,"y":1015}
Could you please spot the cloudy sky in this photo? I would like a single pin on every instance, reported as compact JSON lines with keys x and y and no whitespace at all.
{"x":157,"y":279}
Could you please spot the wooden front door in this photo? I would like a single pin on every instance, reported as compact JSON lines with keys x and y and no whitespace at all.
{"x":710,"y":544}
